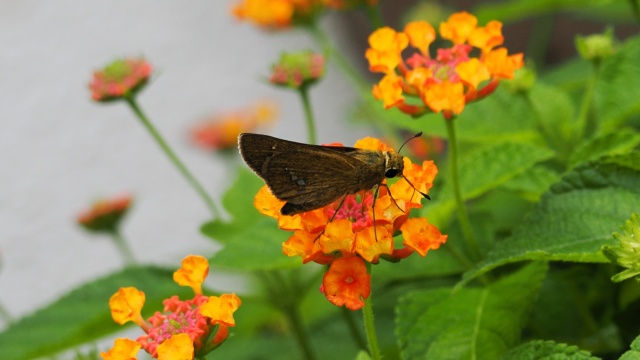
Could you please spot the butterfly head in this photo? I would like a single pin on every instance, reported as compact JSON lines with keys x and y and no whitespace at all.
{"x":393,"y":164}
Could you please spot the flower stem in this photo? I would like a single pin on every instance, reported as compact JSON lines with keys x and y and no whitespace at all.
{"x":308,"y":115}
{"x":367,"y":313}
{"x":172,"y":156}
{"x":347,"y":69}
{"x":123,"y":248}
{"x":362,"y":87}
{"x":463,"y":217}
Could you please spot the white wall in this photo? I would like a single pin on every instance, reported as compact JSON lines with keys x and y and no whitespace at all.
{"x":59,"y":151}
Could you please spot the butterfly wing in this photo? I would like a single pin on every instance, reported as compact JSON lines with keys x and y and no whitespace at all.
{"x":306,"y":176}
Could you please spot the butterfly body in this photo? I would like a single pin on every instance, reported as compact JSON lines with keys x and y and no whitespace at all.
{"x":308,"y":176}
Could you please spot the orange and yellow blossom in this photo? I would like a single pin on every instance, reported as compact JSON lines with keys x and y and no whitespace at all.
{"x":123,"y":349}
{"x":183,"y":330}
{"x":121,"y":78}
{"x":444,"y":83}
{"x":220,"y":132}
{"x":277,"y":14}
{"x":105,"y":214}
{"x":360,"y":230}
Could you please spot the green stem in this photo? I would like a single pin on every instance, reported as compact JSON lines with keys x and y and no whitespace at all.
{"x":463,"y":217}
{"x":5,"y":315}
{"x":353,"y":328}
{"x":345,"y":66}
{"x":367,"y":313}
{"x":123,"y":248}
{"x":362,"y":87}
{"x":172,"y":156}
{"x":308,"y":115}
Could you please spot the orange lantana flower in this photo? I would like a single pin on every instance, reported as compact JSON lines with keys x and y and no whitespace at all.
{"x":105,"y":214}
{"x":194,"y":270}
{"x":123,"y":77}
{"x":178,"y":346}
{"x":220,"y":132}
{"x":447,"y":81}
{"x":123,"y":349}
{"x":185,"y":328}
{"x":277,"y":14}
{"x":126,"y":305}
{"x":347,"y":282}
{"x":356,"y":226}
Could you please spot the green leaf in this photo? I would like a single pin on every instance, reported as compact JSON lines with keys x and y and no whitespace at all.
{"x":616,"y":98}
{"x":555,"y":114}
{"x":238,"y":201}
{"x":575,"y":218}
{"x":363,"y":355}
{"x":83,"y":314}
{"x":252,"y":240}
{"x":634,"y":353}
{"x":483,"y":170}
{"x":533,"y":182}
{"x":258,"y":247}
{"x":617,"y":142}
{"x":547,"y":350}
{"x":510,"y":11}
{"x":473,"y":323}
{"x":500,"y":117}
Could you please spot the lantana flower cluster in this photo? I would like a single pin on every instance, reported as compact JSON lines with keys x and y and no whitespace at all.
{"x":284,"y":14}
{"x":298,"y":69}
{"x":121,"y":78}
{"x":447,"y":81}
{"x":105,"y":214}
{"x":185,"y":329}
{"x":352,"y":237}
{"x":220,"y":132}
{"x":277,"y":14}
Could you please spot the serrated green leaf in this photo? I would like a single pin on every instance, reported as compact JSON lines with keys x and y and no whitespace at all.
{"x":238,"y":201}
{"x":547,"y":350}
{"x":258,"y":247}
{"x":510,"y":11}
{"x":83,"y":314}
{"x":634,"y":353}
{"x":533,"y":182}
{"x":252,"y":241}
{"x":575,"y":218}
{"x":484,"y":170}
{"x":617,"y":142}
{"x":473,"y":323}
{"x":500,"y":117}
{"x":555,"y":114}
{"x":616,"y":97}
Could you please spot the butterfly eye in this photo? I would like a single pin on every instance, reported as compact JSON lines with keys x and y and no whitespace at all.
{"x":391,"y":173}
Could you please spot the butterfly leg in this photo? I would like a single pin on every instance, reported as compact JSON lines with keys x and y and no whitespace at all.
{"x":332,"y":216}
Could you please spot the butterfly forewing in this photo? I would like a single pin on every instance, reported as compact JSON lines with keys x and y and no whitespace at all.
{"x":306,"y":176}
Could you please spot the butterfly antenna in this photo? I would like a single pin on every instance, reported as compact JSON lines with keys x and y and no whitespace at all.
{"x":409,"y":139}
{"x":414,"y":188}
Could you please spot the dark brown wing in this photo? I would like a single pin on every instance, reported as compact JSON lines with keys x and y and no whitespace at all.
{"x":300,"y":173}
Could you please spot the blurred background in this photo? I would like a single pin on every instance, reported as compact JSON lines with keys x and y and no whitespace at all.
{"x":60,"y":151}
